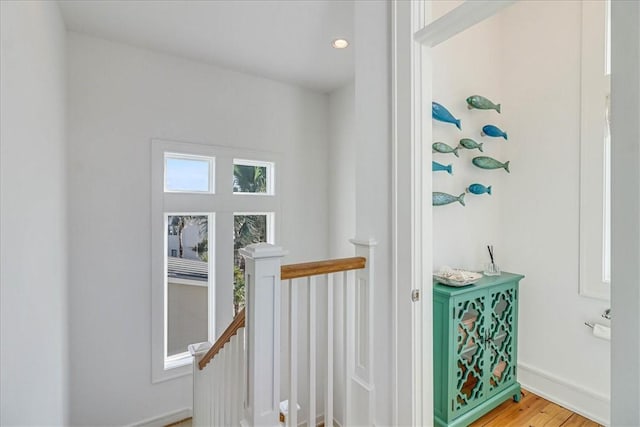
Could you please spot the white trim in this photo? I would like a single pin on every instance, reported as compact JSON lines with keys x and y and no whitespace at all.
{"x":593,"y":83}
{"x":459,"y":19}
{"x":577,"y":398}
{"x":177,"y":360}
{"x":223,"y":203}
{"x":165,"y":419}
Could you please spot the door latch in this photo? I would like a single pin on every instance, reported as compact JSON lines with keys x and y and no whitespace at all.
{"x":415,"y":295}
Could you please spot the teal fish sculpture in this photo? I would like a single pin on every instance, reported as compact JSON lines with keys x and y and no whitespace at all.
{"x":484,"y":162}
{"x":470,"y":144}
{"x":440,"y":199}
{"x":481,"y":103}
{"x":479,"y":189}
{"x":494,"y":131}
{"x":441,"y":114}
{"x":436,"y":167}
{"x":443,"y":148}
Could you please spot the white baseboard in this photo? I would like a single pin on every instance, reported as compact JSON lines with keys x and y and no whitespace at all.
{"x":165,"y":419}
{"x":577,"y":398}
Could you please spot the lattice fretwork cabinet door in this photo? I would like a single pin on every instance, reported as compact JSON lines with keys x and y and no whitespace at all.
{"x":501,"y":338}
{"x":469,"y":352}
{"x":475,"y":341}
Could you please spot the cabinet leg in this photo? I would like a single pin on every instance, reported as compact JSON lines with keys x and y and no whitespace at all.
{"x":517,"y":397}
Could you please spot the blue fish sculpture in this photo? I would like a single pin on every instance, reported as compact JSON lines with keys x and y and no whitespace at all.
{"x":494,"y":131}
{"x":435,"y":167}
{"x":441,"y":147}
{"x":440,"y":113}
{"x":479,"y":189}
{"x":485,"y":162}
{"x":439,"y":199}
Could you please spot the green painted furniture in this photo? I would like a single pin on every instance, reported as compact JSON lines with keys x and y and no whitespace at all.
{"x":475,"y":331}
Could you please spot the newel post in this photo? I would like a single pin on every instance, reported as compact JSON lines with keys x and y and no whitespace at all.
{"x":262,"y":332}
{"x":360,"y":391}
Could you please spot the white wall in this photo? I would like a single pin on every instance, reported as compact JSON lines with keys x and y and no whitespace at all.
{"x":558,"y":356}
{"x":468,"y":64}
{"x":373,"y":185}
{"x":342,"y":177}
{"x":119,"y":98}
{"x":33,"y":260}
{"x":342,"y":212}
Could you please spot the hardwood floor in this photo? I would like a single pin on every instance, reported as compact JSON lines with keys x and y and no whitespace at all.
{"x":532,"y":411}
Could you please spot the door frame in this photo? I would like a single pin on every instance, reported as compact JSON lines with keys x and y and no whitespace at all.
{"x":412,"y":214}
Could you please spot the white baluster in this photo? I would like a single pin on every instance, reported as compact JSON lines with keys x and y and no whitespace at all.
{"x":228,"y":379}
{"x":214,"y":391}
{"x":233,"y":387}
{"x":328,"y":400}
{"x":311,"y":283}
{"x":345,"y":344}
{"x":243,"y":374}
{"x":292,"y":415}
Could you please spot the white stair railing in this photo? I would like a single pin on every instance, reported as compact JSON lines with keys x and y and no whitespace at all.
{"x":241,"y":384}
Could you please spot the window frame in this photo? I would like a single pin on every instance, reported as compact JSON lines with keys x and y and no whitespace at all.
{"x":211,"y":160}
{"x":595,"y":87}
{"x":221,"y":204}
{"x":270,"y":176}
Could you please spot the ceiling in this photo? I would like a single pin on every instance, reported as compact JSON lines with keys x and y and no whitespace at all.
{"x":284,"y":40}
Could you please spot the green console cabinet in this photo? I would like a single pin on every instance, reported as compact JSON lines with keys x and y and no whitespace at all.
{"x":475,"y":343}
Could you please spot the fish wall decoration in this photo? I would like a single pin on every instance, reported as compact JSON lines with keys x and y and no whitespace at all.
{"x":470,"y":144}
{"x":479,"y":189}
{"x":485,"y":162}
{"x":440,"y":199}
{"x":436,"y":167}
{"x":494,"y":131}
{"x":481,"y":103}
{"x":440,"y":113}
{"x":441,"y":147}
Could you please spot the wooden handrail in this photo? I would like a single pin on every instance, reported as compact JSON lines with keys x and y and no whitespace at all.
{"x":294,"y":271}
{"x":232,"y":329}
{"x":291,"y":271}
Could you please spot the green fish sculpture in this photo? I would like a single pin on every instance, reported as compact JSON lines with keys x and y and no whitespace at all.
{"x":470,"y":144}
{"x":481,"y":103}
{"x":484,"y":162}
{"x":440,"y":199}
{"x":441,"y":147}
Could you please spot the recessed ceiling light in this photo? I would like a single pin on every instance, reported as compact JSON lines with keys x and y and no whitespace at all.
{"x":340,"y":44}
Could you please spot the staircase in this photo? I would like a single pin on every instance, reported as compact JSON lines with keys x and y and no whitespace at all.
{"x":305,"y":336}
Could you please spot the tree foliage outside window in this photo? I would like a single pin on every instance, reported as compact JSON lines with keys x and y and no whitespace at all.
{"x":247,"y":229}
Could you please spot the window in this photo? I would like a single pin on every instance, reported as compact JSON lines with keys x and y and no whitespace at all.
{"x":188,"y":173}
{"x":248,"y":228}
{"x":207,"y":202}
{"x":252,"y":177}
{"x":595,"y":152}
